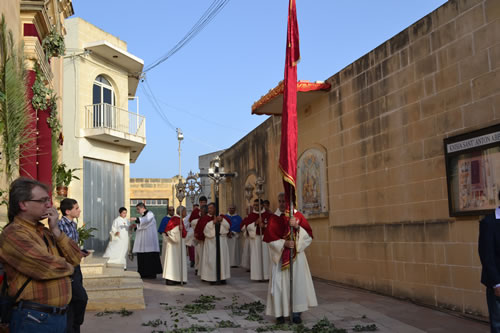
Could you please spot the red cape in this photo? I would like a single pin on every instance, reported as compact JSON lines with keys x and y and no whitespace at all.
{"x":253,"y":217}
{"x":202,"y":222}
{"x":195,"y":214}
{"x":174,"y":222}
{"x":278,"y":228}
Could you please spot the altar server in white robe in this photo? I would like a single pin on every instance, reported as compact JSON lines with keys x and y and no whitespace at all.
{"x":174,"y":242}
{"x":259,"y":253}
{"x":209,"y":259}
{"x":245,"y":247}
{"x":198,"y":239}
{"x":146,"y":244}
{"x":277,"y":235}
{"x":119,"y":240}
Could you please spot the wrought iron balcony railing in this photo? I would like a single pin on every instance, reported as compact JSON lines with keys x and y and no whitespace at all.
{"x":105,"y":115}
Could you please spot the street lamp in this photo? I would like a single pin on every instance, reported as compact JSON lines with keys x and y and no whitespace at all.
{"x":180,"y":137}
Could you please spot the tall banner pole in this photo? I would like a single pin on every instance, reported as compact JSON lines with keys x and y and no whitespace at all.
{"x":289,"y":134}
{"x":180,"y":196}
{"x":292,"y":236}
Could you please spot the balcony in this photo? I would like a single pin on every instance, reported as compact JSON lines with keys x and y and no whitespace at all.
{"x":111,"y":124}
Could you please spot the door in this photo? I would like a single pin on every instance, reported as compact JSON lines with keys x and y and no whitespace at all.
{"x":103,"y":195}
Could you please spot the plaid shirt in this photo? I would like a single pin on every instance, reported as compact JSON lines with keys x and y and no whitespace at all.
{"x":69,"y":228}
{"x":24,"y":254}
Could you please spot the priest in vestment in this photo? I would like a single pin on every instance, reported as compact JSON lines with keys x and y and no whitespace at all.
{"x":233,"y":237}
{"x":174,"y":244}
{"x":195,"y":214}
{"x":161,"y":229}
{"x":209,"y":259}
{"x":277,"y":235}
{"x":146,"y":243}
{"x":259,"y":253}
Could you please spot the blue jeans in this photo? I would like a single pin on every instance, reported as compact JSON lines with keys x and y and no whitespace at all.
{"x":494,"y":310}
{"x":32,"y":321}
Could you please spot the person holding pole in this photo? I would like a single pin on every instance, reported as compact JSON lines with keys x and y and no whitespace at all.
{"x":209,"y":258}
{"x":172,"y":235}
{"x":281,"y":248}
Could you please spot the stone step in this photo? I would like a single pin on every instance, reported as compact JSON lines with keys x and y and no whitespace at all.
{"x":92,"y":269}
{"x":126,"y":290}
{"x":112,"y":280}
{"x":124,"y":302}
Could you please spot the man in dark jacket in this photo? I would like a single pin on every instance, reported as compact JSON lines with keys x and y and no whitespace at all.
{"x":489,"y":253}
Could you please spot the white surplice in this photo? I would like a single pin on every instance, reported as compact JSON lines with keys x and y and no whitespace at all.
{"x":278,"y":296}
{"x":233,"y":245}
{"x":118,"y":244}
{"x":209,"y":257}
{"x":259,"y":254}
{"x":146,"y":238}
{"x":198,"y":249}
{"x":245,"y":248}
{"x":171,"y":263}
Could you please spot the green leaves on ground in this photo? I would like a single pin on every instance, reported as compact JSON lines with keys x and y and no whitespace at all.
{"x":365,"y":328}
{"x":155,"y":323}
{"x":123,"y":312}
{"x":252,"y":310}
{"x":322,"y":326}
{"x":201,"y":305}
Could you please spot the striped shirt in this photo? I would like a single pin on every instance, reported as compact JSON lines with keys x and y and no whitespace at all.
{"x":24,"y":254}
{"x":69,"y":228}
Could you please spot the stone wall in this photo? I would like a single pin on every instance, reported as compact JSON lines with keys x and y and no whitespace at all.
{"x":382,"y":125}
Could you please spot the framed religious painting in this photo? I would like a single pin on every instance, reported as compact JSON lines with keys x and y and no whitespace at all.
{"x":473,"y":171}
{"x":311,"y":183}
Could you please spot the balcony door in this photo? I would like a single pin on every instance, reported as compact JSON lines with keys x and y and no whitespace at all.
{"x":103,"y":100}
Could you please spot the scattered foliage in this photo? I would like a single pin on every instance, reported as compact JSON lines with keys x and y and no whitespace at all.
{"x":123,"y":312}
{"x":365,"y":328}
{"x":227,"y":324}
{"x":155,"y":323}
{"x":201,"y":305}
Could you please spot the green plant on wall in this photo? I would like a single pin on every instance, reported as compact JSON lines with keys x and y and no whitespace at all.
{"x":53,"y":44}
{"x":14,"y":107}
{"x":41,"y":93}
{"x":65,"y":175}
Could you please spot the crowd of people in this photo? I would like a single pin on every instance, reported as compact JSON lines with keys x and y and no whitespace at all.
{"x":262,"y":243}
{"x":42,"y":264}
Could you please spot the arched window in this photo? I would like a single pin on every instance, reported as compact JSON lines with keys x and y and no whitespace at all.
{"x":102,"y":91}
{"x":103,"y":100}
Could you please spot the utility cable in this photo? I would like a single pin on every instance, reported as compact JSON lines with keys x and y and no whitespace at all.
{"x":205,"y":19}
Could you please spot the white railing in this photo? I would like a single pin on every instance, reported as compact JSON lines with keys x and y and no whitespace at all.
{"x":105,"y":115}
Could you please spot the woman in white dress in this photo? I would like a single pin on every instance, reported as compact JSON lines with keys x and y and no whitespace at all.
{"x":118,"y":244}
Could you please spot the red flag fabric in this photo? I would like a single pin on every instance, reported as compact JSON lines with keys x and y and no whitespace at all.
{"x":288,"y":148}
{"x":174,"y":222}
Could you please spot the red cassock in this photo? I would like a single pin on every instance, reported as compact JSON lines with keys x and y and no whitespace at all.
{"x":278,"y":227}
{"x":253,"y":217}
{"x":174,"y":222}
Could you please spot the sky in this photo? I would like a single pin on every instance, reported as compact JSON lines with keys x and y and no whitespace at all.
{"x":208,"y":87}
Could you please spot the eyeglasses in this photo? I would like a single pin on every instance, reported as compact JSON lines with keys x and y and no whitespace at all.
{"x":43,"y":200}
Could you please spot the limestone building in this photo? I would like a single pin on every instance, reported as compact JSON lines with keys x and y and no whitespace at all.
{"x":101,"y":135}
{"x":393,"y":172}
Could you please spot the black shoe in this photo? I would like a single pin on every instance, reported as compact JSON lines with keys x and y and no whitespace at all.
{"x":195,"y":272}
{"x":280,"y":320}
{"x":171,"y":283}
{"x":296,"y":318}
{"x":192,"y":264}
{"x":223,"y":282}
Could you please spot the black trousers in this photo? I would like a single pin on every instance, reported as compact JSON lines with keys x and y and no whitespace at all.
{"x":76,"y":308}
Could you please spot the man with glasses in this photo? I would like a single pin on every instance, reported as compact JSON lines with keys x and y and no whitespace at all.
{"x":43,"y":257}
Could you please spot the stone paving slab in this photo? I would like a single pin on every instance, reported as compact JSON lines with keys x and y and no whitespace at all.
{"x":343,"y":306}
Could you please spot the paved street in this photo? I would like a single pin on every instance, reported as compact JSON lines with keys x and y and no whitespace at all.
{"x":344,"y":307}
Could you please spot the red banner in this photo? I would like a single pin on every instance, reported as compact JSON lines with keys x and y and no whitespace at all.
{"x":288,"y":148}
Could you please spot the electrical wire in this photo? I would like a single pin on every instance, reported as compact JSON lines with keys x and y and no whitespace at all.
{"x":205,"y":19}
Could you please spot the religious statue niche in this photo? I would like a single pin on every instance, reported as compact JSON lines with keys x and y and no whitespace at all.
{"x":473,"y":171}
{"x":311,"y":182}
